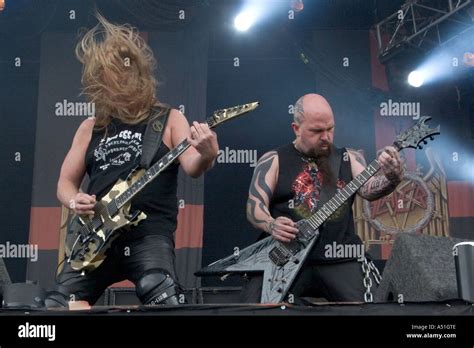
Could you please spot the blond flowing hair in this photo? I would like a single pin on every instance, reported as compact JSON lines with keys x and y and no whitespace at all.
{"x":117,"y":73}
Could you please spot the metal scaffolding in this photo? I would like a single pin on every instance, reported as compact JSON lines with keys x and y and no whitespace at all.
{"x":424,"y":25}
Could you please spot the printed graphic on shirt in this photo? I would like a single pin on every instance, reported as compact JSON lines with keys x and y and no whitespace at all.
{"x":306,"y":191}
{"x":119,"y":149}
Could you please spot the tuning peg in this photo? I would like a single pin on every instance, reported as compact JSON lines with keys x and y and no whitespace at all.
{"x":425,"y":142}
{"x":420,"y":147}
{"x":431,"y":138}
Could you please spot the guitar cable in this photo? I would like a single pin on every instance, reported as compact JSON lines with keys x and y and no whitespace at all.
{"x":80,"y":275}
{"x":73,"y":246}
{"x":68,"y":261}
{"x":56,"y":273}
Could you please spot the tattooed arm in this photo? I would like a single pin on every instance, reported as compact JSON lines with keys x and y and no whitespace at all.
{"x":384,"y":182}
{"x":263,"y":184}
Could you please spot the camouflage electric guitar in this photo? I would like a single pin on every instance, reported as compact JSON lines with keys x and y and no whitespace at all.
{"x":88,"y":239}
{"x":280,"y":262}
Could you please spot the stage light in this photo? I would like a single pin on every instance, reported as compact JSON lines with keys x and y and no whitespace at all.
{"x":440,"y":66}
{"x":297,"y":5}
{"x":2,"y":5}
{"x":416,"y":78}
{"x":253,"y":12}
{"x":244,"y":20}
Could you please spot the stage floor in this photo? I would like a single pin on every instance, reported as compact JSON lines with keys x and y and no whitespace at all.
{"x":456,"y":308}
{"x":331,"y":323}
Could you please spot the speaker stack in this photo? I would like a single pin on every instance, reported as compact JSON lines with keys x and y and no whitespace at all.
{"x":421,"y":268}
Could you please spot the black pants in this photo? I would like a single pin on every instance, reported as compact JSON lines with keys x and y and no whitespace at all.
{"x":336,"y":282}
{"x":126,"y":259}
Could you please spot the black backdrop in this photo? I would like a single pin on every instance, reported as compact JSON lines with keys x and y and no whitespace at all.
{"x":279,"y":60}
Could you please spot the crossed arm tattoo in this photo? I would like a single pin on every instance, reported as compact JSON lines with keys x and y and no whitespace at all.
{"x":378,"y":186}
{"x":260,"y":194}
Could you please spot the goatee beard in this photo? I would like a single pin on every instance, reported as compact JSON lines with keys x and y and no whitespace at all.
{"x":322,"y":160}
{"x":323,"y":152}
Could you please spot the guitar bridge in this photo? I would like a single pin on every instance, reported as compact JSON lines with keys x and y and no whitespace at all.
{"x":278,"y":256}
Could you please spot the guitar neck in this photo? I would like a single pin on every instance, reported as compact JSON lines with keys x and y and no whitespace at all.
{"x":151,"y":173}
{"x":343,"y":195}
{"x":218,"y":117}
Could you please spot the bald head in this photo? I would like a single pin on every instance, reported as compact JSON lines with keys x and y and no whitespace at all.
{"x":313,"y":125}
{"x":312,"y":106}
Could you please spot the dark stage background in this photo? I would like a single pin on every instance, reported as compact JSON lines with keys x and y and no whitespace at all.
{"x":204,"y":65}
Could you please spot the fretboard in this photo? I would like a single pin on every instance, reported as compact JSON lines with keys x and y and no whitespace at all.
{"x":342,"y":196}
{"x":151,"y":174}
{"x":218,"y":117}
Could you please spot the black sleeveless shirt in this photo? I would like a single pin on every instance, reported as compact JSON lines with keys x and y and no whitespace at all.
{"x":297,"y":194}
{"x":112,"y":154}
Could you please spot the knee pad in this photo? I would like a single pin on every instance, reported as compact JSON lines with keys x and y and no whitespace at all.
{"x":156,"y":287}
{"x":55,"y":299}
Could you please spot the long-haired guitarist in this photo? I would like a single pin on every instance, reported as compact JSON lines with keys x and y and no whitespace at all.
{"x":288,"y":184}
{"x":118,"y":77}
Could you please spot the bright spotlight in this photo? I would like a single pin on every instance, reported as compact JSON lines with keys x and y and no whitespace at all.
{"x":416,"y":78}
{"x":244,"y":20}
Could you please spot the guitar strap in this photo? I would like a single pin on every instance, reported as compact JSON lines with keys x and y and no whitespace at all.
{"x":153,"y":134}
{"x":327,"y":192}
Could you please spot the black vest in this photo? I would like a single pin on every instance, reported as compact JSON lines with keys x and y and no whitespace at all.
{"x":112,"y":154}
{"x":297,"y":194}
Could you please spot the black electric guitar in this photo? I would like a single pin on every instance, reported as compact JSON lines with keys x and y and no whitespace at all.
{"x":280,"y":262}
{"x":88,"y":239}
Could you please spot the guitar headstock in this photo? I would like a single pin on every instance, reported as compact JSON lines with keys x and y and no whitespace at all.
{"x":418,"y":133}
{"x":222,"y":115}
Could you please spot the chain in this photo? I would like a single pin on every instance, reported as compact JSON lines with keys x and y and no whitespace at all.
{"x":367,"y":268}
{"x":375,"y":272}
{"x":368,"y":298}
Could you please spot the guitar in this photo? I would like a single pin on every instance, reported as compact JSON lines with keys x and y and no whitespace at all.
{"x":280,"y":262}
{"x":88,"y":239}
